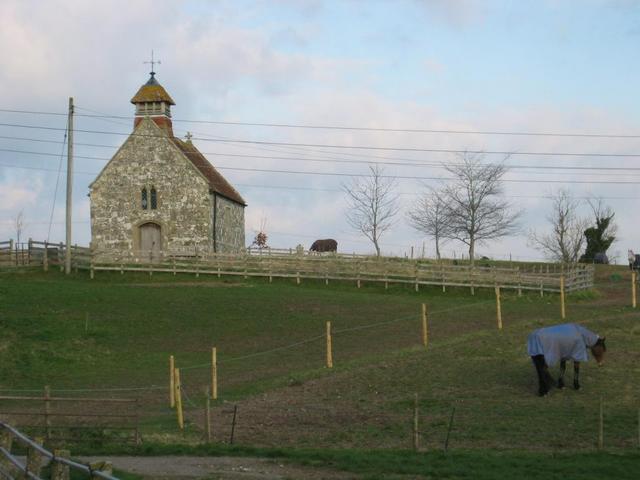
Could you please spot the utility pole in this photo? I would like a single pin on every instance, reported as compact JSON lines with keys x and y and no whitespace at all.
{"x":67,"y":258}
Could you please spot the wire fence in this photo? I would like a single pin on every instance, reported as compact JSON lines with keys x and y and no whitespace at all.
{"x":382,"y":419}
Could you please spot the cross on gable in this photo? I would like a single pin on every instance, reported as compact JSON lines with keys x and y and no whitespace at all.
{"x":153,"y":62}
{"x":188,"y":136}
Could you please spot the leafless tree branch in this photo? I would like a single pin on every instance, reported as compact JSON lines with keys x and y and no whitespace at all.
{"x":373,"y":204}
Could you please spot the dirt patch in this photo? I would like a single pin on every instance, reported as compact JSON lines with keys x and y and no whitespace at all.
{"x":223,"y":468}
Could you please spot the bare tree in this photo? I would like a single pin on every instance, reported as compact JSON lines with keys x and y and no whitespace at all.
{"x":372,"y":204}
{"x":429,"y":216}
{"x":19,"y":225}
{"x":566,"y":239}
{"x":474,"y":210}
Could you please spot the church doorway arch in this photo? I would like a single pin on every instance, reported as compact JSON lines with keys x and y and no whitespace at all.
{"x":150,"y":235}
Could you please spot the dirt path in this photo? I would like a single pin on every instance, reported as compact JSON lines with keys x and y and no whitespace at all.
{"x":218,"y":468}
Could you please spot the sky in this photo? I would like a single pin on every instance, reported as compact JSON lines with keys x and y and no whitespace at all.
{"x":559,"y":67}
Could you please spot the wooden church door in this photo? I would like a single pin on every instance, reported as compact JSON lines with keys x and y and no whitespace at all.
{"x":150,"y":241}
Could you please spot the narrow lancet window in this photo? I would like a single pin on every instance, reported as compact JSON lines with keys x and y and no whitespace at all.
{"x":144,"y":198}
{"x":154,"y":199}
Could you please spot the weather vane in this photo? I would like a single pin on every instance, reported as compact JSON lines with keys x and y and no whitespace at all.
{"x":153,"y":62}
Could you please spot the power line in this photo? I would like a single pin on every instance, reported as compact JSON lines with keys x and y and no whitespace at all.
{"x":337,"y":174}
{"x":350,"y":128}
{"x":329,"y":160}
{"x":350,"y":147}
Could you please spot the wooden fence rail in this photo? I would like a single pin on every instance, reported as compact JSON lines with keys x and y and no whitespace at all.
{"x":12,"y":467}
{"x":344,"y":268}
{"x":302,"y":265}
{"x":121,"y":415}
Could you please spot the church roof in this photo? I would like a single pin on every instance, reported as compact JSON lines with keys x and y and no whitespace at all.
{"x":152,"y":91}
{"x":217,"y":182}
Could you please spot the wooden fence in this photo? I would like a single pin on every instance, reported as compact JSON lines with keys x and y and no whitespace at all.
{"x":359,"y":270}
{"x":11,"y":466}
{"x":300,"y":265}
{"x":81,"y":419}
{"x":46,"y":254}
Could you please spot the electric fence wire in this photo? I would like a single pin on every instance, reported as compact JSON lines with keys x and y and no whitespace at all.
{"x":334,"y":332}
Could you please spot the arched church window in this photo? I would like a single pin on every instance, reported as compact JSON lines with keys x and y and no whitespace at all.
{"x":144,"y":198}
{"x":154,"y":198}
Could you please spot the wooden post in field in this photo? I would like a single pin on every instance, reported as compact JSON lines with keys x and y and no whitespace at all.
{"x":498,"y":308}
{"x":47,"y":411}
{"x":425,"y":337}
{"x":329,"y":347}
{"x":601,"y":425}
{"x":59,"y":471}
{"x":34,"y":459}
{"x":6,"y":440}
{"x":179,"y":400}
{"x":214,"y":373}
{"x":45,"y":257}
{"x":207,"y":419}
{"x":633,"y":289}
{"x":416,"y":433}
{"x":562,"y":309}
{"x":172,"y":381}
{"x":103,"y":467}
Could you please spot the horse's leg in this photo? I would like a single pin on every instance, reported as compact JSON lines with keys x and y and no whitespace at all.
{"x":576,"y":375}
{"x":563,"y":368}
{"x":538,"y":362}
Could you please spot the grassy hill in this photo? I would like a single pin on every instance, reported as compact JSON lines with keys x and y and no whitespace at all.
{"x":117,"y":331}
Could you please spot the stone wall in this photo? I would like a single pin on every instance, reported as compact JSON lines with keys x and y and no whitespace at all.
{"x":229,"y":225}
{"x":184,"y":204}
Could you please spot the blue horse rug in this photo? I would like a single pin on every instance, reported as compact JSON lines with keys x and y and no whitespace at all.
{"x":568,"y":341}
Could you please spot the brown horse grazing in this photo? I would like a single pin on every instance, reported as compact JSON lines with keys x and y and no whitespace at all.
{"x":326,"y":245}
{"x":569,"y":341}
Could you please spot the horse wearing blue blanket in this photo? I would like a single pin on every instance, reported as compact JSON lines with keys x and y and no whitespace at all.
{"x":569,"y":341}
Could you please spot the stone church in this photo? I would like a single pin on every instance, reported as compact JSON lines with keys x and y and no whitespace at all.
{"x":159,"y":195}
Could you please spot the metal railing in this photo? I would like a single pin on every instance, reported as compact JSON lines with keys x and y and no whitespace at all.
{"x":12,"y":468}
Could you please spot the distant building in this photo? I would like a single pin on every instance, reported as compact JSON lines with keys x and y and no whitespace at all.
{"x":159,"y":194}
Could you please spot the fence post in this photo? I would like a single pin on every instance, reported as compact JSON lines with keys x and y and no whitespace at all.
{"x":60,"y":471}
{"x":425,"y":337}
{"x":104,"y":467}
{"x":6,"y":439}
{"x":61,"y":255}
{"x":34,"y":459}
{"x":45,"y":258}
{"x":416,"y":433}
{"x":172,"y":381}
{"x":214,"y":373}
{"x":179,"y":400}
{"x":47,"y":411}
{"x":601,"y":425}
{"x":498,"y":308}
{"x":29,"y":248}
{"x":633,"y":289}
{"x":91,"y":271}
{"x":207,"y":419}
{"x":329,"y":347}
{"x":562,"y":309}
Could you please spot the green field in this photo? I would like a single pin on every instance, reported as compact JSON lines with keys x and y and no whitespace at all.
{"x":117,"y":331}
